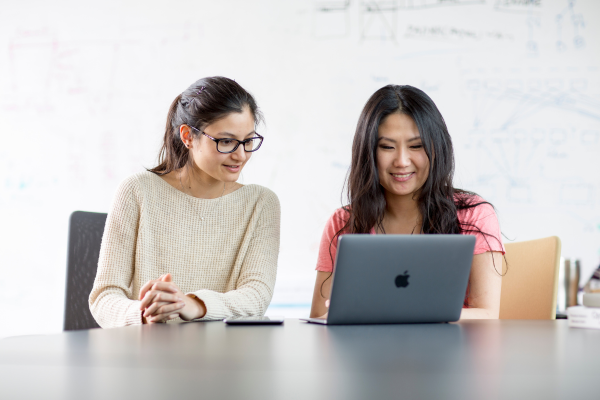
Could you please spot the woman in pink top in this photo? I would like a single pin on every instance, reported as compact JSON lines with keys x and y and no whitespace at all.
{"x":400,"y":182}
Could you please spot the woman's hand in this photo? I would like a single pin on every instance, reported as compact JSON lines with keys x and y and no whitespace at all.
{"x":321,"y":294}
{"x":162,"y":300}
{"x":159,"y":300}
{"x":324,"y":316}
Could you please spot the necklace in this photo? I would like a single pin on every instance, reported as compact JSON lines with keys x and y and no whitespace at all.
{"x":216,"y":204}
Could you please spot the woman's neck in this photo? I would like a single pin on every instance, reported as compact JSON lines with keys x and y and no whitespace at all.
{"x":402,"y":215}
{"x":195,"y":182}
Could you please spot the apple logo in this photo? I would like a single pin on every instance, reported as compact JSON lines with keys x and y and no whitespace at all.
{"x":402,"y":280}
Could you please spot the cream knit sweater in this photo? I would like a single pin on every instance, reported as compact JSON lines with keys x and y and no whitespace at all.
{"x":228,"y":260}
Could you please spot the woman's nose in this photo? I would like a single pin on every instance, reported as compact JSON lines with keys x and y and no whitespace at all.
{"x":239,"y":154}
{"x":402,"y":159}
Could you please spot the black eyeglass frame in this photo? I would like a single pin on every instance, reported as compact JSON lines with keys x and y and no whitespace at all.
{"x":238,"y":142}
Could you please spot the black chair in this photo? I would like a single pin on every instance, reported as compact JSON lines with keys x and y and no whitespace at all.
{"x":85,"y":237}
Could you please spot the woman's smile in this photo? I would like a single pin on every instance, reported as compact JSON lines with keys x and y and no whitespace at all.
{"x":402,"y":177}
{"x":232,"y":168}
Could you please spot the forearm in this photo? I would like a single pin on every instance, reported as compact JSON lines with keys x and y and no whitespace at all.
{"x":485,"y":287}
{"x":112,"y":310}
{"x":252,"y":294}
{"x":321,"y":293}
{"x":241,"y":302}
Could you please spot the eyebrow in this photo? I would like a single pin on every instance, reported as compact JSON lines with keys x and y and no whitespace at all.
{"x":393,"y":141}
{"x":233,"y":136}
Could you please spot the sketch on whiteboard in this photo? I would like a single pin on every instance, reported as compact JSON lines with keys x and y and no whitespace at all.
{"x":590,"y":138}
{"x":518,"y":6}
{"x":453,"y":33}
{"x":43,"y":67}
{"x":419,"y":4}
{"x":521,"y":151}
{"x":533,"y":25}
{"x":520,"y":101}
{"x":577,"y":194}
{"x":575,"y":22}
{"x":331,"y":19}
{"x":378,"y":20}
{"x":34,"y":60}
{"x":569,"y":23}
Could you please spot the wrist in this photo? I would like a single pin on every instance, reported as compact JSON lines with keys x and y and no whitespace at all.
{"x":195,"y":307}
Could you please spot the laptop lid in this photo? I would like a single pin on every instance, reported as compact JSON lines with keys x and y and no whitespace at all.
{"x":382,"y":279}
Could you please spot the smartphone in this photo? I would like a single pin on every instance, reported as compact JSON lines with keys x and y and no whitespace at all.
{"x":254,"y":320}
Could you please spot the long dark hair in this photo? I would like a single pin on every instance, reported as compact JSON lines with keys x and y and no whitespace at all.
{"x":438,"y":200}
{"x":204,"y":102}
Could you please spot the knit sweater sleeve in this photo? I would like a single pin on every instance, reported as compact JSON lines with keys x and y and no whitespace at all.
{"x":256,"y":280}
{"x":110,"y":299}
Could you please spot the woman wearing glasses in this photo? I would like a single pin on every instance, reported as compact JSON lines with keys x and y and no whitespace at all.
{"x":400,"y":182}
{"x":184,"y":239}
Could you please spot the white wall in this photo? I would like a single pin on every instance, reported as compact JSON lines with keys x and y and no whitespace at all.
{"x":85,"y":88}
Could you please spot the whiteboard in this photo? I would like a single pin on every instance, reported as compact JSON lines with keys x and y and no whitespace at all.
{"x":85,"y":88}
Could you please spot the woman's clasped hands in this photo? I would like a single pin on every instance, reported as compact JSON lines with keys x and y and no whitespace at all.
{"x":162,"y":301}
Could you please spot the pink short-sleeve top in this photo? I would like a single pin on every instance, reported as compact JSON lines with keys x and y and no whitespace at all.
{"x":482,"y":216}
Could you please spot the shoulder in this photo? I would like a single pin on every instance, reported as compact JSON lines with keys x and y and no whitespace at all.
{"x":130,"y":194}
{"x":129,"y":187}
{"x":141,"y":185}
{"x":141,"y":180}
{"x":474,"y":209}
{"x":478,"y":217}
{"x":259,"y":195}
{"x":259,"y":192}
{"x":338,"y":219}
{"x":342,"y":214}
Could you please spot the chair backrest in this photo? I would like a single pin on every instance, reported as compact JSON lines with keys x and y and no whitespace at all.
{"x":85,"y":237}
{"x":530,"y":284}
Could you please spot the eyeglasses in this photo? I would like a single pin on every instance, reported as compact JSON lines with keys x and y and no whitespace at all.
{"x":228,"y":145}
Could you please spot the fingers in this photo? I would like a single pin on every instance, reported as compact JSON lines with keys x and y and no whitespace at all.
{"x":161,"y":318}
{"x":165,"y":286}
{"x":164,"y":281}
{"x":150,"y":311}
{"x":163,"y":308}
{"x":148,"y":285}
{"x":154,"y":296}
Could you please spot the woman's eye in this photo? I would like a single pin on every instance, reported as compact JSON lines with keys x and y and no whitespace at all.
{"x":418,"y":146}
{"x":385,"y":147}
{"x":226,"y":142}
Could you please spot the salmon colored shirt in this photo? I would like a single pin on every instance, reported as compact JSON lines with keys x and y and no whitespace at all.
{"x":482,"y":216}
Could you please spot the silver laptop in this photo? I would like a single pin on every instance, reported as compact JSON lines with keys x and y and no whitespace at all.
{"x":388,"y":279}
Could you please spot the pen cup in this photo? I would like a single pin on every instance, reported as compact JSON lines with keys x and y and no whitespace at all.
{"x":572,"y":273}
